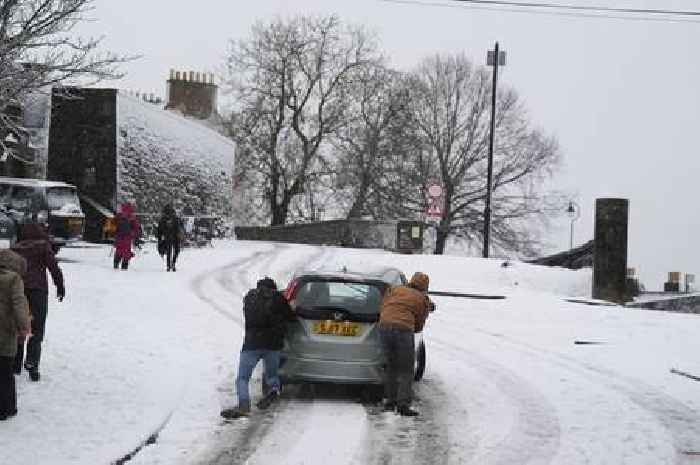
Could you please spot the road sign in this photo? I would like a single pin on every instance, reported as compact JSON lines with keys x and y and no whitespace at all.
{"x":435,"y":190}
{"x":491,"y":58}
{"x":434,"y":210}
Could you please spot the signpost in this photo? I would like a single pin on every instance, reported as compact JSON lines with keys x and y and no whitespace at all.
{"x":436,"y":200}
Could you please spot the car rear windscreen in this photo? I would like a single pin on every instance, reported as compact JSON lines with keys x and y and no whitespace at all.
{"x":357,"y":298}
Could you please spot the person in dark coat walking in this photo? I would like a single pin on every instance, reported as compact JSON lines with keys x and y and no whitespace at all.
{"x":169,"y":234}
{"x":403,"y":312}
{"x":14,"y":324}
{"x":128,"y":232}
{"x":266,"y":314}
{"x":35,"y":248}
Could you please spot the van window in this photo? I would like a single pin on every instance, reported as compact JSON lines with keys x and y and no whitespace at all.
{"x":59,"y":197}
{"x":24,"y":198}
{"x":4,"y":193}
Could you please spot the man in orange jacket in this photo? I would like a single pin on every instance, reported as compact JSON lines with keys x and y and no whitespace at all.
{"x":403,"y":313}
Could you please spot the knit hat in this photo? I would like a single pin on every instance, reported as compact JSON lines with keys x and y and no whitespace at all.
{"x":419,"y":281}
{"x":12,"y":261}
{"x":268,"y":283}
{"x":33,"y":231}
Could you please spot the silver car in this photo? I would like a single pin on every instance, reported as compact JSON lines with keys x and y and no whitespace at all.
{"x":334,"y":337}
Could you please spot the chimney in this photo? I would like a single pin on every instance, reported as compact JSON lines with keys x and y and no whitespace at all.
{"x":192,"y":93}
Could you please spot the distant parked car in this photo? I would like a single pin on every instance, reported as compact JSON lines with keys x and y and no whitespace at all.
{"x":335,"y":338}
{"x":53,"y":204}
{"x":8,"y":229}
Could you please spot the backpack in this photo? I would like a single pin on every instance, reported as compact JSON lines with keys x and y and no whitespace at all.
{"x":123,"y":226}
{"x":257,"y":308}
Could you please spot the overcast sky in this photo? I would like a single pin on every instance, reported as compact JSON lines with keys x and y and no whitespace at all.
{"x":623,"y":97}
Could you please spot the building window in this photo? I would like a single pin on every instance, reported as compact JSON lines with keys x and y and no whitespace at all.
{"x":89,"y":177}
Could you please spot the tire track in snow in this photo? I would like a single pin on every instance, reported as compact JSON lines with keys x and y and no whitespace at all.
{"x":680,"y":420}
{"x":423,"y":440}
{"x":198,"y":285}
{"x":535,"y":435}
{"x":241,"y":440}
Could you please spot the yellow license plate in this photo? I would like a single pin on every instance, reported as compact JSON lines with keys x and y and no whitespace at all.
{"x":75,"y":223}
{"x":336,"y":328}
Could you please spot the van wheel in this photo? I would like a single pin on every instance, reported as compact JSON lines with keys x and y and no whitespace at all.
{"x":420,"y":362}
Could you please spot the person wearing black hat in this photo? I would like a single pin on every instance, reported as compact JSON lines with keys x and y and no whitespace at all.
{"x":266,"y":314}
{"x":169,"y":234}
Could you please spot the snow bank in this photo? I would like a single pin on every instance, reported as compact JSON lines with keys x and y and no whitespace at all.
{"x":475,"y":275}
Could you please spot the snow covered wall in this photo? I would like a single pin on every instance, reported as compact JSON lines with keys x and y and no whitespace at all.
{"x":163,"y":157}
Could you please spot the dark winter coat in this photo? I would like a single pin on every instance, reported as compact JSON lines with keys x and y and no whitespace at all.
{"x":35,"y":248}
{"x":14,"y":310}
{"x":170,"y":229}
{"x":266,"y":314}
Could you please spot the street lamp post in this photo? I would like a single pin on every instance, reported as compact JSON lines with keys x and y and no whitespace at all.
{"x":494,"y":58}
{"x":574,"y":213}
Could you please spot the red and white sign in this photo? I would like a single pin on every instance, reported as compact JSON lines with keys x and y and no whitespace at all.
{"x":435,"y":191}
{"x":436,"y":202}
{"x":434,"y":210}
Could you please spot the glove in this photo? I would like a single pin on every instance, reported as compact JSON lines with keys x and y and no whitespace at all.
{"x":60,"y":292}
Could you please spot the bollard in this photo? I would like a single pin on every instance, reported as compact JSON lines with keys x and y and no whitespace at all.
{"x":610,"y":250}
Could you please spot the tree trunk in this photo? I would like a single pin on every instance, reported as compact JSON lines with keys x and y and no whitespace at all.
{"x":440,"y":240}
{"x":279,"y":215}
{"x":359,"y":204}
{"x":443,"y":228}
{"x":281,"y":210}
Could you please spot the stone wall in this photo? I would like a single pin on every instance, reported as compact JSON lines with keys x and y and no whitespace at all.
{"x":344,"y":233}
{"x":681,"y":304}
{"x":574,"y":259}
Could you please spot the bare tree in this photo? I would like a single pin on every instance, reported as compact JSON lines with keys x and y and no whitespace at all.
{"x":290,"y":81}
{"x":367,"y":143}
{"x":450,"y":112}
{"x":39,"y":50}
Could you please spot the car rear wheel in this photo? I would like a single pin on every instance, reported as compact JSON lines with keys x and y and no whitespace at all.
{"x":420,"y":362}
{"x":372,"y":393}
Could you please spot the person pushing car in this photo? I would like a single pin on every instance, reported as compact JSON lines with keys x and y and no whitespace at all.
{"x":266,"y":313}
{"x":403,"y":312}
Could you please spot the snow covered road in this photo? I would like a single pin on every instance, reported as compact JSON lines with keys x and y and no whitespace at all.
{"x":129,"y":353}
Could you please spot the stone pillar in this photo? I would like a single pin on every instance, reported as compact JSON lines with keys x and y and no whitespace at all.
{"x":610,"y":250}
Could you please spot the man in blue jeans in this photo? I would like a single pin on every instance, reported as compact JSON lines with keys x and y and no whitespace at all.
{"x":266,"y":314}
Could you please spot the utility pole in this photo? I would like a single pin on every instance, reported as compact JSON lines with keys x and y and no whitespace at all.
{"x":494,"y":58}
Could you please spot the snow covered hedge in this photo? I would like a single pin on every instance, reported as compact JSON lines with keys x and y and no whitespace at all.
{"x":164,"y":157}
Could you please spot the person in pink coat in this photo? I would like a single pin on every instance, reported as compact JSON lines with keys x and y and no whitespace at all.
{"x":128,"y":231}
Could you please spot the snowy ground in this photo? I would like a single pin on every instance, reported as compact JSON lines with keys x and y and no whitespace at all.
{"x":128,"y":354}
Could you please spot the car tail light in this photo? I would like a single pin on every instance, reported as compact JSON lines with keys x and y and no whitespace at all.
{"x":43,"y":217}
{"x":291,"y":290}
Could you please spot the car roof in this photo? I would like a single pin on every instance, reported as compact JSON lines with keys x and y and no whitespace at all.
{"x":29,"y":182}
{"x":377,"y":274}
